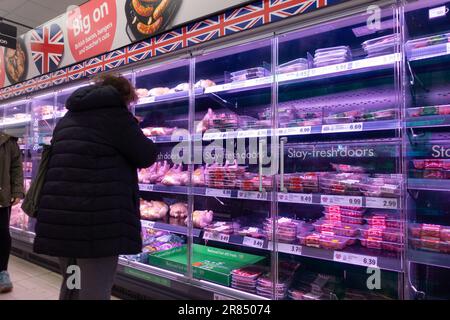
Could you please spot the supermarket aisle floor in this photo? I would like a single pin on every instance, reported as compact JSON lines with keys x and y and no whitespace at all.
{"x":32,"y":282}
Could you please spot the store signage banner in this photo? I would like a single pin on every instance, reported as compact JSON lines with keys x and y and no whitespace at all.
{"x":96,"y":27}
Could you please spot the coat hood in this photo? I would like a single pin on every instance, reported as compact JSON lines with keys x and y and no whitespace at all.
{"x":94,"y":97}
{"x":4,"y":137}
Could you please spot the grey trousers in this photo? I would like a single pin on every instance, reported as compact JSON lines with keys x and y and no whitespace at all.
{"x":96,"y":278}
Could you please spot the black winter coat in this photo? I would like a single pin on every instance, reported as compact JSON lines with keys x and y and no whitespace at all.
{"x":89,"y":206}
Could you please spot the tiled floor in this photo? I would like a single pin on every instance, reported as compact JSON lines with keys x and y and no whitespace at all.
{"x":32,"y":282}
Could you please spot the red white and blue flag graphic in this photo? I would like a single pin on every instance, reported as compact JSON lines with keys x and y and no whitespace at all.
{"x":47,"y":47}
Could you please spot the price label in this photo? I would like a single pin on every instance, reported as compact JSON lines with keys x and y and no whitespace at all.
{"x":252,"y":195}
{"x":295,"y":198}
{"x":294,"y":131}
{"x":448,"y":47}
{"x":146,"y":100}
{"x":356,"y":259}
{"x":146,"y":187}
{"x":248,"y":134}
{"x":214,"y":236}
{"x":253,"y":242}
{"x":148,"y":224}
{"x":347,"y":127}
{"x":211,"y":136}
{"x":218,"y":193}
{"x":381,"y":203}
{"x":290,"y":248}
{"x":341,"y":200}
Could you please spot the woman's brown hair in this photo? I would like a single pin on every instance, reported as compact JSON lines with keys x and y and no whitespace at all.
{"x":121,"y":84}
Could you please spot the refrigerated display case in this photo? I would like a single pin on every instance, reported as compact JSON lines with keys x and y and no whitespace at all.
{"x":292,"y":164}
{"x":426,"y":95}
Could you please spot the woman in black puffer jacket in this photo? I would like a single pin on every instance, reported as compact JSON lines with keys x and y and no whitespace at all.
{"x":89,"y":208}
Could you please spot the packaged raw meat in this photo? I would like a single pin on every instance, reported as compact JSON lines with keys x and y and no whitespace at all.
{"x":158,"y":131}
{"x":153,"y":210}
{"x":217,"y":176}
{"x":201,"y":218}
{"x":179,"y":210}
{"x":335,"y":228}
{"x":247,"y":74}
{"x":380,"y":45}
{"x":252,"y":232}
{"x":223,"y":227}
{"x":348,"y":168}
{"x":430,"y":231}
{"x":198,"y":177}
{"x":353,"y":212}
{"x":181,"y":87}
{"x":293,"y":66}
{"x":381,"y":245}
{"x":373,"y":189}
{"x":384,"y":220}
{"x":203,"y":124}
{"x":302,"y":182}
{"x":343,"y":117}
{"x":251,"y":272}
{"x":250,"y":182}
{"x":386,"y":114}
{"x":431,"y":245}
{"x":381,"y":233}
{"x":224,"y":120}
{"x":204,"y":84}
{"x":142,"y":93}
{"x":337,"y":217}
{"x":427,"y":41}
{"x":175,"y":176}
{"x":329,"y":242}
{"x":156,"y":92}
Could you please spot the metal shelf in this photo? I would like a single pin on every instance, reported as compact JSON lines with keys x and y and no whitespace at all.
{"x":169,"y":227}
{"x":429,"y":258}
{"x":429,"y":184}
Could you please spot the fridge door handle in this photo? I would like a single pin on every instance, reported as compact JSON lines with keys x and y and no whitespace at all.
{"x":260,"y":153}
{"x":282,"y":143}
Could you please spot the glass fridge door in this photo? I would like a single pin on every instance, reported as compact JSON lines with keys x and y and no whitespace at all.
{"x":427,"y":33}
{"x":232,"y":180}
{"x":338,"y":117}
{"x":163,"y":112}
{"x":15,"y":121}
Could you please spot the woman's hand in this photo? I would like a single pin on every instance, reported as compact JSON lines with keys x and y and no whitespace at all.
{"x":14,"y":201}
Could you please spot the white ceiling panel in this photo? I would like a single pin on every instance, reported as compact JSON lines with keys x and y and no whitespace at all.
{"x":34,"y":12}
{"x":11,"y":5}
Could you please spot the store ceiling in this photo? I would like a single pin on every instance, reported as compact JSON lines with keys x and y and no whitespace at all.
{"x":34,"y":12}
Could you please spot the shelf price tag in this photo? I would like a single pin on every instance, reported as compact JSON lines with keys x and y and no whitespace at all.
{"x":252,"y":195}
{"x":148,"y":224}
{"x":341,"y":200}
{"x":356,"y":259}
{"x":295,"y":197}
{"x":146,"y":100}
{"x":347,"y":127}
{"x":253,"y":242}
{"x":290,"y":248}
{"x":214,"y":236}
{"x":294,"y":131}
{"x":218,"y":193}
{"x":146,"y":187}
{"x":382,"y":203}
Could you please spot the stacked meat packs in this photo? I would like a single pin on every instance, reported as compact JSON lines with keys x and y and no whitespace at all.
{"x":330,"y":56}
{"x":430,"y":237}
{"x":286,"y":275}
{"x":432,"y":168}
{"x":245,"y":279}
{"x":313,"y":286}
{"x":223,"y":177}
{"x":380,"y":46}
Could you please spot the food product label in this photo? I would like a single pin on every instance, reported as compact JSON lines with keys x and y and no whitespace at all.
{"x":382,"y":203}
{"x":341,"y":200}
{"x":295,"y":198}
{"x":148,"y":224}
{"x":146,"y":100}
{"x":146,"y":187}
{"x":253,"y":195}
{"x":253,"y":242}
{"x":293,"y":75}
{"x":448,"y":47}
{"x":356,"y":259}
{"x":437,"y":12}
{"x":290,"y":248}
{"x":347,"y":127}
{"x":294,"y":131}
{"x":218,"y":193}
{"x":248,"y":134}
{"x":216,"y":236}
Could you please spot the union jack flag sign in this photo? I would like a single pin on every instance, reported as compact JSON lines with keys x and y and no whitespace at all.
{"x":47,"y":47}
